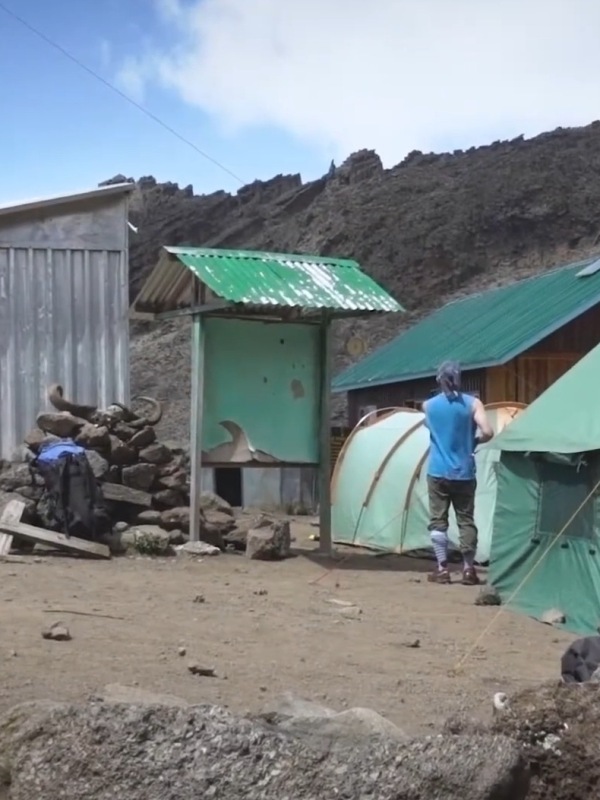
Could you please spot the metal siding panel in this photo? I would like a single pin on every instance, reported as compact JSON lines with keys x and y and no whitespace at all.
{"x":63,"y":318}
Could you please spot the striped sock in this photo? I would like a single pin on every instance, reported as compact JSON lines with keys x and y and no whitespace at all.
{"x":439,"y":542}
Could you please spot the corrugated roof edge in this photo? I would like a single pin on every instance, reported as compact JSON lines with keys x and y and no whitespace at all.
{"x":64,"y":199}
{"x":256,"y":255}
{"x":339,"y":386}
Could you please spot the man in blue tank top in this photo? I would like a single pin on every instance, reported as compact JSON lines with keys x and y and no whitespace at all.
{"x":457,"y":423}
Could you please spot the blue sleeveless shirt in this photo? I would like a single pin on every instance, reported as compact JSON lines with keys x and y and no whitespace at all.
{"x":452,"y":432}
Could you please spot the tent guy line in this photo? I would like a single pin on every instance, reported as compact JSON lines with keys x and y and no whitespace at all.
{"x":504,"y":607}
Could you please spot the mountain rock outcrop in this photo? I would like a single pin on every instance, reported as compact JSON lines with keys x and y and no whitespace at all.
{"x":431,"y":228}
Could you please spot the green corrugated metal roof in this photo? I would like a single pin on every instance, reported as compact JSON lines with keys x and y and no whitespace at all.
{"x":564,"y":419}
{"x":481,"y":330}
{"x":275,"y":279}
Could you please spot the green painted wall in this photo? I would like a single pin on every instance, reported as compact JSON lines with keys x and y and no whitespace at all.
{"x":264,"y":378}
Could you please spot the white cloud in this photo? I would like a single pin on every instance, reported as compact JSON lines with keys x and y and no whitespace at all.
{"x":394,"y":75}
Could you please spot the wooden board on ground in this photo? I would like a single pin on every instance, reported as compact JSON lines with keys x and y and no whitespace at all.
{"x":12,"y":513}
{"x":40,"y":535}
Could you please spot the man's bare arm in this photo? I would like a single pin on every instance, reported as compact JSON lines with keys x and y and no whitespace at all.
{"x":486,"y":431}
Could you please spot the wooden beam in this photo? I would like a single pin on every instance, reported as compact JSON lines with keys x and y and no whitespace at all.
{"x":42,"y":536}
{"x":12,"y":513}
{"x":197,"y":411}
{"x":325,"y":543}
{"x":205,"y":308}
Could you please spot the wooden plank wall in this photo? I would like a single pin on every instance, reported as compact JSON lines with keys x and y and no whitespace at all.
{"x":525,"y":378}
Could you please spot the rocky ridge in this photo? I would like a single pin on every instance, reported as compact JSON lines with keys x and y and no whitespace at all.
{"x":431,"y":228}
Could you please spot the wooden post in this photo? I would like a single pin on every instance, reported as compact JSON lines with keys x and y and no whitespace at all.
{"x":196,"y":424}
{"x":325,"y":543}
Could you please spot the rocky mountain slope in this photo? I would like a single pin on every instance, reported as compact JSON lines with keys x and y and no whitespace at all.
{"x":428,"y":229}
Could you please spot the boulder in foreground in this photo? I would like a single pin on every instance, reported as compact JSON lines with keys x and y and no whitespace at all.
{"x":100,"y":751}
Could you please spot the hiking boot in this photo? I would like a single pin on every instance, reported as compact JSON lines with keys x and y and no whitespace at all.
{"x":439,"y":576}
{"x":470,"y":577}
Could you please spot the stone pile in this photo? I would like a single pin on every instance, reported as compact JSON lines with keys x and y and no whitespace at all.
{"x":145,"y":482}
{"x":146,"y":485}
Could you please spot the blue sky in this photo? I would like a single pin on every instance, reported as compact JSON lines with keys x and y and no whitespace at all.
{"x":65,"y":130}
{"x":280,"y":86}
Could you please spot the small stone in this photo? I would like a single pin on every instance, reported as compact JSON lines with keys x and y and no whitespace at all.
{"x":120,"y":453}
{"x":123,"y":431}
{"x":149,"y":517}
{"x":199,"y":599}
{"x":139,"y":476}
{"x":36,"y":438}
{"x":143,"y":438}
{"x":268,"y":544}
{"x":197,"y":550}
{"x":156,"y":454}
{"x":197,"y":669}
{"x":98,"y":464}
{"x":553,"y":616}
{"x":93,"y":436}
{"x":177,"y":537}
{"x":58,"y":632}
{"x":415,"y":643}
{"x":125,"y":494}
{"x":177,"y":480}
{"x":121,"y":527}
{"x":351,"y":612}
{"x":169,"y":497}
{"x":488,"y":596}
{"x":210,"y":500}
{"x":181,"y":651}
{"x":178,"y":517}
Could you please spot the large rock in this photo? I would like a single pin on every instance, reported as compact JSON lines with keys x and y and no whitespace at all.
{"x":156,"y":454}
{"x":212,"y":501}
{"x":36,"y":438}
{"x":14,"y":477}
{"x":60,"y":423}
{"x":151,"y":752}
{"x":148,"y":540}
{"x":314,"y":722}
{"x":169,"y":498}
{"x":269,"y":543}
{"x":174,"y":518}
{"x":98,"y":464}
{"x":238,"y":535}
{"x":143,"y":438}
{"x":176,"y":480}
{"x":139,"y":476}
{"x":120,"y":453}
{"x":29,"y":512}
{"x":93,"y":436}
{"x":125,"y":494}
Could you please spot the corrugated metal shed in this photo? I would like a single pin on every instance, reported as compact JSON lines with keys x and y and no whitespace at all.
{"x":63,"y":305}
{"x":260,"y":280}
{"x":482,"y":330}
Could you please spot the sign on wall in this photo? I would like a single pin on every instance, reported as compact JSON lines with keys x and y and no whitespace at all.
{"x":261,"y":393}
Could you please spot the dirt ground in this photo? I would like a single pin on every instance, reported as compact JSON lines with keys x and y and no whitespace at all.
{"x":266,"y":628}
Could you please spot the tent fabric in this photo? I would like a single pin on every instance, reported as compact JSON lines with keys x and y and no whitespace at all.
{"x":533,"y":566}
{"x":565,"y":418}
{"x":379,"y":487}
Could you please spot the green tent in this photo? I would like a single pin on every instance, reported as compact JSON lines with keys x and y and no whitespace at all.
{"x":545,"y":545}
{"x":379,"y":486}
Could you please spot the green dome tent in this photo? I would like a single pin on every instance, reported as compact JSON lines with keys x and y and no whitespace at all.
{"x":379,"y":485}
